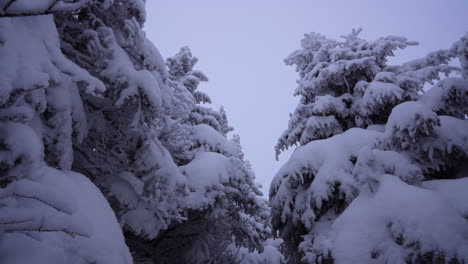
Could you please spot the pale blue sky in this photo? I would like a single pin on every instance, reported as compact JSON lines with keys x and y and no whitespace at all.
{"x":241,"y":46}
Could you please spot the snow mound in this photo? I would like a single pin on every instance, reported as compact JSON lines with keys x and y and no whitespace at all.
{"x":454,"y":191}
{"x":415,"y":226}
{"x":55,"y":216}
{"x":85,"y":228}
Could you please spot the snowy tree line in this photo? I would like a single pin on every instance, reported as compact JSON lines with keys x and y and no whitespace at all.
{"x":88,"y":101}
{"x":110,"y":153}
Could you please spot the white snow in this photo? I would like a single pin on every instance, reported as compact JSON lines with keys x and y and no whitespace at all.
{"x":449,"y":96}
{"x":326,"y":162}
{"x":206,"y":175}
{"x":32,"y":51}
{"x":269,"y":255}
{"x":205,"y":170}
{"x":55,"y":216}
{"x":386,"y":226}
{"x":378,"y":95}
{"x":41,"y":6}
{"x":212,"y":140}
{"x":90,"y":233}
{"x":454,"y":191}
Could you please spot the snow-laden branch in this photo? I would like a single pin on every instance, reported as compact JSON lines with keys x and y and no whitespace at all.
{"x":15,"y":8}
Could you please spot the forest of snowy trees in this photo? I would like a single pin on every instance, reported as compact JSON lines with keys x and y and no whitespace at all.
{"x":110,"y":153}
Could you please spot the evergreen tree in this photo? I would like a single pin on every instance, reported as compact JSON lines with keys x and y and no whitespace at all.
{"x":223,"y":209}
{"x":361,"y":188}
{"x":122,"y":152}
{"x":345,"y":84}
{"x":47,"y":212}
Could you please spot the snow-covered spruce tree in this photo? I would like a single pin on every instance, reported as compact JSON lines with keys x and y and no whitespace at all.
{"x":122,"y":152}
{"x":364,"y":185}
{"x":345,"y":84}
{"x":181,"y":70}
{"x":48,"y":214}
{"x":225,"y":217}
{"x":143,"y":127}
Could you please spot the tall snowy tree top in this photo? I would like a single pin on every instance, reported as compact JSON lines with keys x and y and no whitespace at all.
{"x":180,"y":68}
{"x":345,"y":84}
{"x":327,"y":66}
{"x":183,"y":77}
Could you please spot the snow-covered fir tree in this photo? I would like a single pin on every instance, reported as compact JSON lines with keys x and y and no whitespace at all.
{"x":88,"y":93}
{"x":225,"y":217}
{"x":380,"y":173}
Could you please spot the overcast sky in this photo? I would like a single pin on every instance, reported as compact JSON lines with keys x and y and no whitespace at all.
{"x":241,"y":46}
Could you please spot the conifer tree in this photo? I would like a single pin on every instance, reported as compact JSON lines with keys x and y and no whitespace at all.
{"x":372,"y":141}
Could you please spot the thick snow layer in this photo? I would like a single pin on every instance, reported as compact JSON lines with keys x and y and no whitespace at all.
{"x":206,"y":175}
{"x":121,"y":68}
{"x":84,"y":230}
{"x":21,"y":142}
{"x":413,"y":117}
{"x":31,"y":48}
{"x":269,"y":255}
{"x":449,"y":96}
{"x":318,"y":127}
{"x":55,"y":216}
{"x":397,"y":223}
{"x":150,"y":195}
{"x":454,"y":191}
{"x":206,"y":169}
{"x":41,"y":78}
{"x":372,"y":163}
{"x":212,"y":140}
{"x":452,"y":134}
{"x":378,"y":95}
{"x":325,"y":163}
{"x":39,"y":6}
{"x":410,"y":122}
{"x":328,"y":104}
